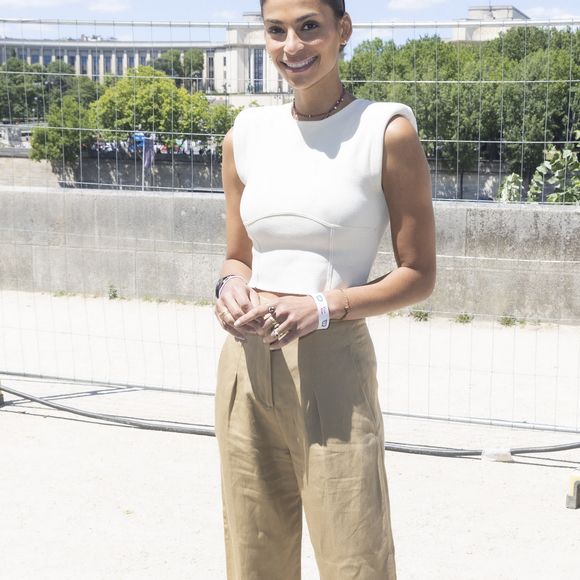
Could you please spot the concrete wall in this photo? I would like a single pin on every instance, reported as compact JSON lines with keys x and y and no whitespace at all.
{"x":493,"y":259}
{"x":17,"y":171}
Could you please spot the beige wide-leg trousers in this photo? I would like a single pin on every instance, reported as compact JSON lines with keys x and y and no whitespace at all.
{"x":300,"y":427}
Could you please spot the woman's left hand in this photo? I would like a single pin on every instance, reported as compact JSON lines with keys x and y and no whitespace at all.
{"x":296,"y":316}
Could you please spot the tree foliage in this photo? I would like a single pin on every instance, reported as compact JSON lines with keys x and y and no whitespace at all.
{"x":144,"y":100}
{"x":508,"y":97}
{"x":27,"y":92}
{"x":69,"y":130}
{"x":187,"y":72}
{"x":512,"y":99}
{"x":22,"y":91}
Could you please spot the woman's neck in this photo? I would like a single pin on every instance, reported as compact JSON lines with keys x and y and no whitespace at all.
{"x":319,"y":99}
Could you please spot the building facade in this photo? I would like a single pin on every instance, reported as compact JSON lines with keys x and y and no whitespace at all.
{"x":470,"y":30}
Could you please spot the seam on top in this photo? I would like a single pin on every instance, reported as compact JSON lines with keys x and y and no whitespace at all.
{"x":306,"y":216}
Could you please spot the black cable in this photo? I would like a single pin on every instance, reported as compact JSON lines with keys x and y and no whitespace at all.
{"x":194,"y":430}
{"x":199,"y":429}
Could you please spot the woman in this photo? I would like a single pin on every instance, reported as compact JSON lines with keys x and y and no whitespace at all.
{"x":309,"y":189}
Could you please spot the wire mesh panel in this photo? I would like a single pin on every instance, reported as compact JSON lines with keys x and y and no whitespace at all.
{"x":112,"y":210}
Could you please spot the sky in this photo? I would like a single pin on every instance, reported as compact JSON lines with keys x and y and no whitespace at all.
{"x":224,"y":10}
{"x":231,"y":10}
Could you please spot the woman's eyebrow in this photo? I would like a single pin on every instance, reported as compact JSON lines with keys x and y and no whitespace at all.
{"x":274,"y":21}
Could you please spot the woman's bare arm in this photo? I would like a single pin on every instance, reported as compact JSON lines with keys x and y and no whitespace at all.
{"x":407,"y":188}
{"x":238,"y":244}
{"x":236,"y":297}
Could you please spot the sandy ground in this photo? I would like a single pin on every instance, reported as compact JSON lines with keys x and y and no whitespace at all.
{"x":81,"y":498}
{"x":86,"y":499}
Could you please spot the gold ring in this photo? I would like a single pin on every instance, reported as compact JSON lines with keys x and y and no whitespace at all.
{"x":223,"y":312}
{"x":274,"y":321}
{"x":281,"y":336}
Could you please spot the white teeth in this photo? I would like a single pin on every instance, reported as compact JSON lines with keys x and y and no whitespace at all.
{"x":300,"y":64}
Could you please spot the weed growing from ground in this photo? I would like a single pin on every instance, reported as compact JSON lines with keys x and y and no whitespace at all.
{"x":464,"y":318}
{"x":419,"y":315}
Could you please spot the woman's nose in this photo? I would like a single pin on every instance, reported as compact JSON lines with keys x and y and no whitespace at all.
{"x":293,"y":43}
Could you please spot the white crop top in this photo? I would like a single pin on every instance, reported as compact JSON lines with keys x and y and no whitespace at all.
{"x":313,"y":203}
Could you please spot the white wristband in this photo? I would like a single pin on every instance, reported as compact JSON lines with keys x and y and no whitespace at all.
{"x":323,"y":312}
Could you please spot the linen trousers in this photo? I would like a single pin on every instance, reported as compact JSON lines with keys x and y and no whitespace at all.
{"x":301,"y":428}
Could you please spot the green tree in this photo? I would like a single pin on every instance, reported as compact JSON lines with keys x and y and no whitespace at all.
{"x":170,"y":63}
{"x":220,"y":120}
{"x":61,"y":81}
{"x":539,"y":102}
{"x":22,"y":91}
{"x":478,"y":100}
{"x":193,"y":68}
{"x":68,"y":132}
{"x":147,"y":100}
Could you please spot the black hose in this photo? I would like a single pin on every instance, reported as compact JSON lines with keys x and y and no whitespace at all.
{"x":207,"y":430}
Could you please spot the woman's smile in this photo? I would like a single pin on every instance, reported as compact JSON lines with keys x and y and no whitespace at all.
{"x":299,"y":66}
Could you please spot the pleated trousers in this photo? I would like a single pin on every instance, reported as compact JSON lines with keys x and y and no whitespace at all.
{"x":301,"y":428}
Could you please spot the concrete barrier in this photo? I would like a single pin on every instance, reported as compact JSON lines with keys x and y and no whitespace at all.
{"x":493,"y":259}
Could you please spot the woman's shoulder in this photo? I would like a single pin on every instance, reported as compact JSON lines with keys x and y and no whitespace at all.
{"x":386,"y":110}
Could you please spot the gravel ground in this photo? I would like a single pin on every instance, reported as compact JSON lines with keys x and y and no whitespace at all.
{"x":86,"y":499}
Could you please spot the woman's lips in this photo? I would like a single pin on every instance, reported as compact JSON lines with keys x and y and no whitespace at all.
{"x":301,"y":65}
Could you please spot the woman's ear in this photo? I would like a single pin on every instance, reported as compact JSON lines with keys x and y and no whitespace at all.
{"x":345,"y":28}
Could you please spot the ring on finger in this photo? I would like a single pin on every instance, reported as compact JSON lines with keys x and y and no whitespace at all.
{"x":271,"y":318}
{"x":223,"y":313}
{"x":279,"y":335}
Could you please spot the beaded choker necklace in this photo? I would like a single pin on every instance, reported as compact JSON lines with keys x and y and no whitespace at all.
{"x":323,"y":115}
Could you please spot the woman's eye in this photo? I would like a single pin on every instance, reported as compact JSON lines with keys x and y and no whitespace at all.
{"x":310,"y":26}
{"x":275,"y":30}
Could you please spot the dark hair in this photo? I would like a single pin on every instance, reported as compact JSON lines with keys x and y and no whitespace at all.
{"x":338,"y":6}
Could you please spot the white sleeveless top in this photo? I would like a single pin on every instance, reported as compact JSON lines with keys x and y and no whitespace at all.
{"x":313,"y":203}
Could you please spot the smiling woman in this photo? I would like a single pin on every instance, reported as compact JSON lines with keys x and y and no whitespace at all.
{"x":310,"y":188}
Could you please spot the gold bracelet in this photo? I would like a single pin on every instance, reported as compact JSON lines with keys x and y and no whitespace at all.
{"x":346,"y":304}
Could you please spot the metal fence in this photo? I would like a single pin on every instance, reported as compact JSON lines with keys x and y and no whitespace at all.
{"x":497,"y":107}
{"x":496,"y":101}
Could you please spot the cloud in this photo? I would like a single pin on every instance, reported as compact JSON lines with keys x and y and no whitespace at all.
{"x":413,"y":5}
{"x":541,"y":12}
{"x":109,"y":6}
{"x":36,"y":3}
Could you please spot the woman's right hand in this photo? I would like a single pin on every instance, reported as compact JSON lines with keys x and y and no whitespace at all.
{"x":235,"y":300}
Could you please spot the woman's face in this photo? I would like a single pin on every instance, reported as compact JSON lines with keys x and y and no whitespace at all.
{"x":303,"y":38}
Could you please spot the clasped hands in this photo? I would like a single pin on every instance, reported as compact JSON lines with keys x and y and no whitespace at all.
{"x":278,"y":321}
